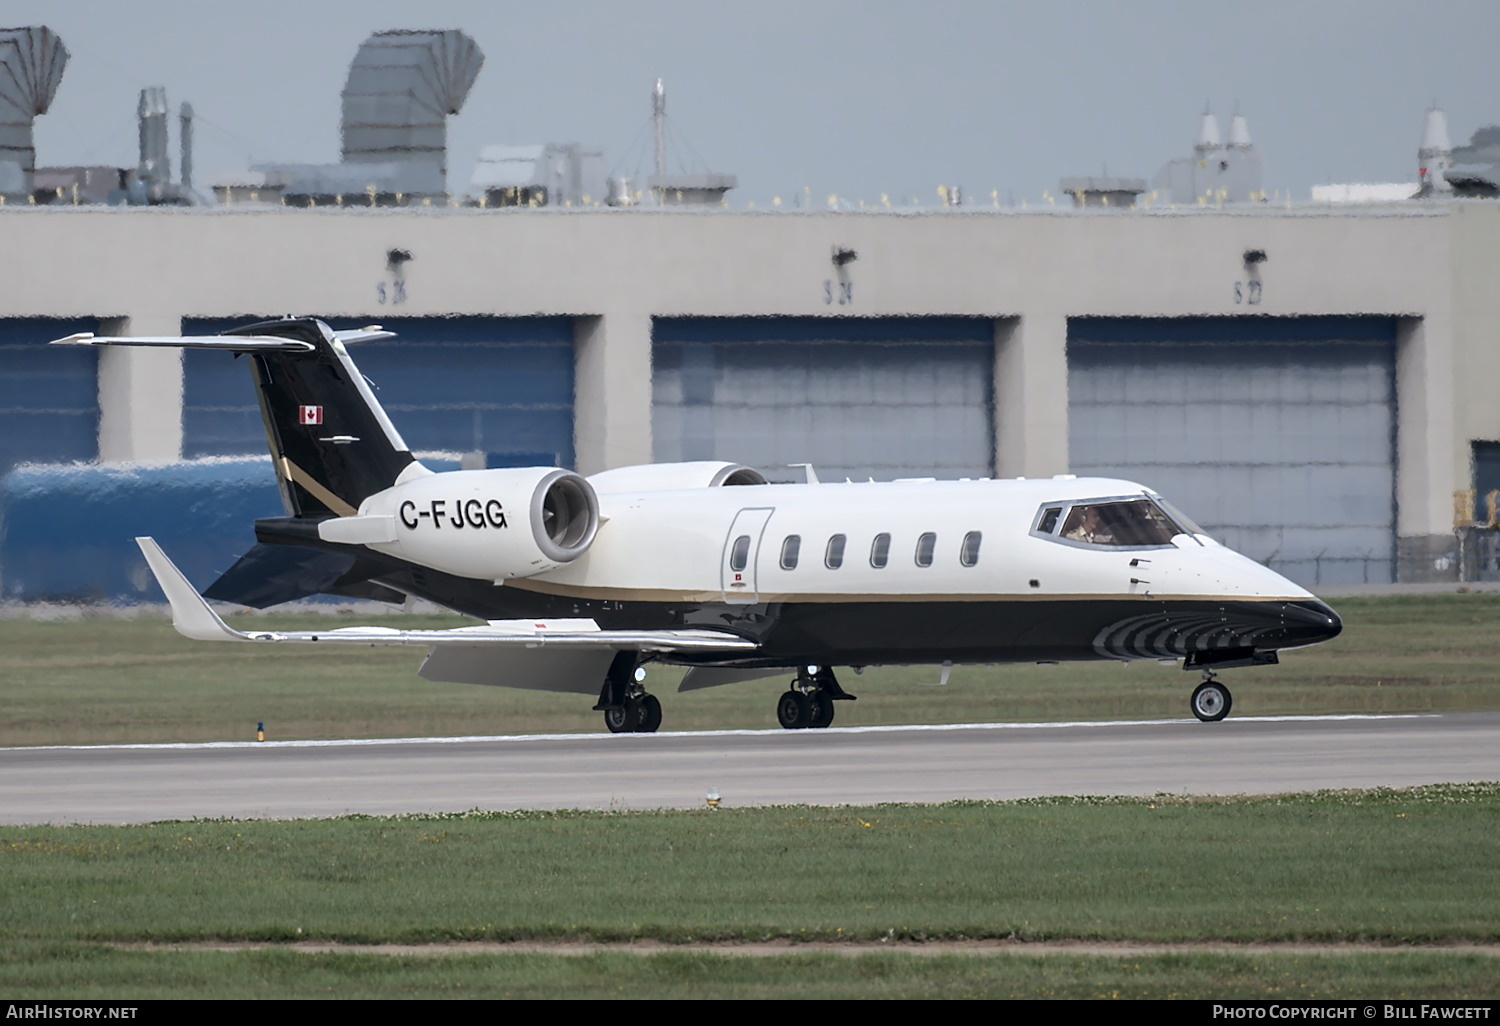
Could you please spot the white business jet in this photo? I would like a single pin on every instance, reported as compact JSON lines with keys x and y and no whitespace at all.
{"x":584,"y":582}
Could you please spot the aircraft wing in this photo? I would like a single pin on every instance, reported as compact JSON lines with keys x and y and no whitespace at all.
{"x":500,"y":652}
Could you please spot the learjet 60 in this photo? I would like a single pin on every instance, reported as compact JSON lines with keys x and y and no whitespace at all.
{"x":584,"y":582}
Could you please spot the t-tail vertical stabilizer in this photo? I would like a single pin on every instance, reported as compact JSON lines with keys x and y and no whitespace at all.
{"x":332,"y":444}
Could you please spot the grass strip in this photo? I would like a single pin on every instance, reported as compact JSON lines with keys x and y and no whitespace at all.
{"x":82,"y":972}
{"x":1404,"y":867}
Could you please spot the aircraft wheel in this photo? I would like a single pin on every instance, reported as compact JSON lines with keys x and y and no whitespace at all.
{"x":1211,"y":701}
{"x":794,"y":711}
{"x":822,"y":710}
{"x":625,"y":718}
{"x":650,"y":715}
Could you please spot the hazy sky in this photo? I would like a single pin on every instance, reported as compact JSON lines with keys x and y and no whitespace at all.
{"x":854,"y":97}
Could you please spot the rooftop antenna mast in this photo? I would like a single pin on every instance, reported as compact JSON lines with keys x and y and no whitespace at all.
{"x":659,"y":116}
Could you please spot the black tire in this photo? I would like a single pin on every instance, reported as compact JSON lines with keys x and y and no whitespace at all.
{"x":625,"y":718}
{"x":793,"y":710}
{"x":822,"y":711}
{"x":650,"y":715}
{"x":1211,"y":701}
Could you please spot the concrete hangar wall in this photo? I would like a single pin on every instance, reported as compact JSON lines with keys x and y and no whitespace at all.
{"x":1314,"y":408}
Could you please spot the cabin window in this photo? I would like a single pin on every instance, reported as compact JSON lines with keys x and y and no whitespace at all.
{"x":739,"y":555}
{"x":1050,"y":516}
{"x":833,"y":557}
{"x":880,"y":551}
{"x":968,"y":554}
{"x":790,"y":549}
{"x":926,"y":544}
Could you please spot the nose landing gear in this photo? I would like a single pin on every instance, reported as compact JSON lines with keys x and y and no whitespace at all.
{"x":1211,"y":700}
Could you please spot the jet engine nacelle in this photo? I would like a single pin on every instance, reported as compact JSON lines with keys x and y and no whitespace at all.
{"x":489,"y":524}
{"x":669,"y":477}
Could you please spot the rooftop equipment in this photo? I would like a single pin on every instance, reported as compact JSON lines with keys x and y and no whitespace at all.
{"x":31,"y":66}
{"x":704,"y":188}
{"x":1469,"y":172}
{"x":154,"y":172}
{"x":554,"y":174}
{"x":401,"y":88}
{"x":1435,"y":155}
{"x":1215,"y":173}
{"x":1103,"y":191}
{"x":152,"y":184}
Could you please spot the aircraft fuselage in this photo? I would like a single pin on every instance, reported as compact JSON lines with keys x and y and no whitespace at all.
{"x":900,"y":572}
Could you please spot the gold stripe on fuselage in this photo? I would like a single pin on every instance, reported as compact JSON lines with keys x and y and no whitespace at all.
{"x":609,"y":594}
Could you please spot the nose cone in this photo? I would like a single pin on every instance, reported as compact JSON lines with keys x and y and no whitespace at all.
{"x":1309,"y":622}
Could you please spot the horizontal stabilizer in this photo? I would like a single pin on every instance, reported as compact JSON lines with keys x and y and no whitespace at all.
{"x":239,"y":344}
{"x":229,"y":343}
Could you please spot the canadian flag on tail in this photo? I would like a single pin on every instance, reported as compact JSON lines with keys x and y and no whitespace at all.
{"x":309,"y":415}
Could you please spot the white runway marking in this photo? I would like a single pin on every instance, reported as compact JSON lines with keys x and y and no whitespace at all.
{"x":778,"y":731}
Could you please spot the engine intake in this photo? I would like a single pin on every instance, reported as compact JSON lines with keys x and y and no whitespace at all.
{"x":564,"y":515}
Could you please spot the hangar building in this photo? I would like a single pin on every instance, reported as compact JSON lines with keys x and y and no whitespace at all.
{"x":1313,"y":384}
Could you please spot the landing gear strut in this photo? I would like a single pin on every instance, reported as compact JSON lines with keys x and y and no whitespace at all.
{"x":809,"y":701}
{"x":1211,"y":700}
{"x":627,"y":707}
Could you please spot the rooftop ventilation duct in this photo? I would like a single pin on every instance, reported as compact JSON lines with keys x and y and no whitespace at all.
{"x":1239,"y":133}
{"x":1208,"y":133}
{"x":155,"y":168}
{"x":31,"y":66}
{"x":402,"y":86}
{"x":1435,"y":156}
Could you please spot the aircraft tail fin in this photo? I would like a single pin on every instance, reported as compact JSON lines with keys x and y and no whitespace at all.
{"x":332,"y":444}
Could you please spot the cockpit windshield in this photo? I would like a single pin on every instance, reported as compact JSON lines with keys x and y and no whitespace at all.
{"x":1179,"y":518}
{"x":1116,"y":522}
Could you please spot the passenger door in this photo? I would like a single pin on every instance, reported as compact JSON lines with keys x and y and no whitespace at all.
{"x":741,"y":556}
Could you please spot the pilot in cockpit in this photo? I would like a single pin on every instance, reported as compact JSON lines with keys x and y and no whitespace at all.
{"x":1086,"y":524}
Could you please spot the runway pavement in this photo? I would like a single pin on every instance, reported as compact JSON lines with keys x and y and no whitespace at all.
{"x":140,"y":783}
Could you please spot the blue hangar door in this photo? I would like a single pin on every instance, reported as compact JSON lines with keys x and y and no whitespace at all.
{"x":49,"y":398}
{"x":884,"y":397}
{"x":1277,"y":434}
{"x":502,"y":386}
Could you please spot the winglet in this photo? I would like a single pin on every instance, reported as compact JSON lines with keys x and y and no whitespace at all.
{"x":190,"y":614}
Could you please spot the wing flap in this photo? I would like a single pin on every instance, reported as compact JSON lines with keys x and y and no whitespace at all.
{"x":577,"y":670}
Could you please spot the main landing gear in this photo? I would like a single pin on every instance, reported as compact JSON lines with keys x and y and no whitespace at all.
{"x":627,"y":707}
{"x":809,"y":701}
{"x":638,"y":714}
{"x":1211,"y":700}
